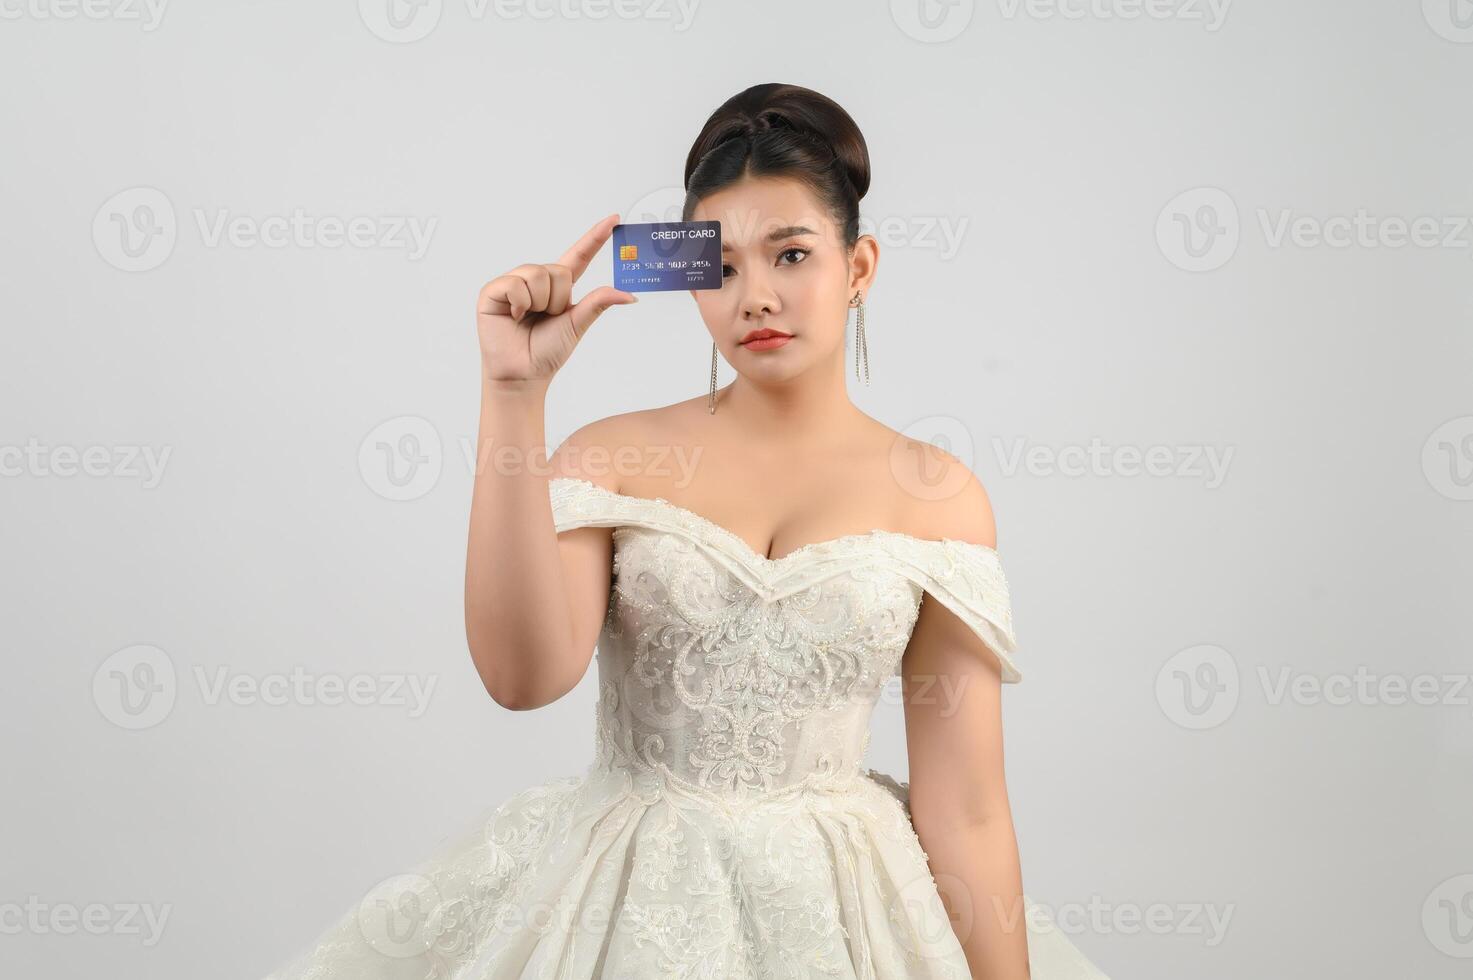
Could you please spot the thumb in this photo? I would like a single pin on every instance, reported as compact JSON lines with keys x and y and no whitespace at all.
{"x":592,"y":306}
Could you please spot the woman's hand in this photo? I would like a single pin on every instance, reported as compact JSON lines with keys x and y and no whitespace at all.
{"x":527,"y":327}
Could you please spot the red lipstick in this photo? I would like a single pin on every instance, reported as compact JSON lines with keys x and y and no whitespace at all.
{"x":765,"y":339}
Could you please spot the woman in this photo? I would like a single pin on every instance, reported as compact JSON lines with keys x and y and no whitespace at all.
{"x":747,"y":616}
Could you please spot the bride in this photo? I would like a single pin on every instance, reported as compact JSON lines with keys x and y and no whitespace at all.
{"x":753,"y":565}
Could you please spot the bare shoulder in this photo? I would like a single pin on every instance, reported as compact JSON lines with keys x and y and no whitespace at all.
{"x":605,"y":448}
{"x":944,"y":498}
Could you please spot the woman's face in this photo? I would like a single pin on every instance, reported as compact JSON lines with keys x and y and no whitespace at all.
{"x":785,"y":267}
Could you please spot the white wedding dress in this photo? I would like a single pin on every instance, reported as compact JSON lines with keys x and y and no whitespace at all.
{"x":725,"y":828}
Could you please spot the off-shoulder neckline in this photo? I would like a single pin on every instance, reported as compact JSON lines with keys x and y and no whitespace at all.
{"x":752,"y":555}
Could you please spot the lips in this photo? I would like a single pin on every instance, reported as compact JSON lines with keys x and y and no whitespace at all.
{"x":763,"y":334}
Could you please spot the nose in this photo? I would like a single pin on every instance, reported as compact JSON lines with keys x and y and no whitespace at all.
{"x":758,"y":299}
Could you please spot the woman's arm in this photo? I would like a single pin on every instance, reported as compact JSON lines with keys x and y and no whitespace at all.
{"x":534,"y":600}
{"x":958,"y":794}
{"x":952,"y":686}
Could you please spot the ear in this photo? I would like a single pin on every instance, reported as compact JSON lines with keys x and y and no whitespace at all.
{"x":863,"y":264}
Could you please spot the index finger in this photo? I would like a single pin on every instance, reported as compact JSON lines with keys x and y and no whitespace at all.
{"x":585,"y":248}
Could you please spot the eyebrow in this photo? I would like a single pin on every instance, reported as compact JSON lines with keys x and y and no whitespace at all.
{"x":788,"y":232}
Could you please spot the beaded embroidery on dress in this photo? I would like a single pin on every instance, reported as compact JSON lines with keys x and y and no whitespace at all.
{"x":725,"y":828}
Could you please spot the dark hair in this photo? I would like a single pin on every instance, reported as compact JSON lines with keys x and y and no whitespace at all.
{"x":775,"y":129}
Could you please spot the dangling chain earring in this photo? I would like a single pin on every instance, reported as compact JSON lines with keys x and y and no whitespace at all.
{"x":712,"y":407}
{"x":861,"y":345}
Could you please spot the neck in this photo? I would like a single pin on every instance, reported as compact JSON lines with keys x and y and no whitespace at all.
{"x":809,"y":406}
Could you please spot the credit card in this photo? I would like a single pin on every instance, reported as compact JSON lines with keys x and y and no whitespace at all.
{"x":667,"y":255}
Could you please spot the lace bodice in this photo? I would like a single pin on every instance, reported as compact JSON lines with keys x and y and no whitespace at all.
{"x":736,"y":677}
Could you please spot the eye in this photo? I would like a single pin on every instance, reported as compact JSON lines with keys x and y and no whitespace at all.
{"x":727,"y":270}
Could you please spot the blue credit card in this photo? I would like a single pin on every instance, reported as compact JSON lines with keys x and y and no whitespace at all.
{"x":667,"y":255}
